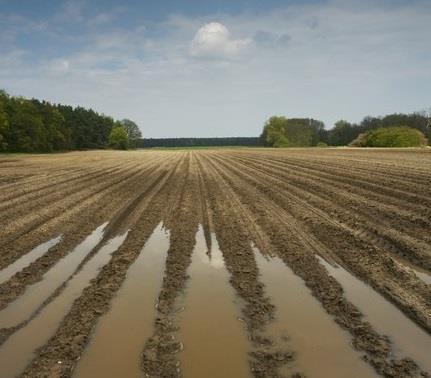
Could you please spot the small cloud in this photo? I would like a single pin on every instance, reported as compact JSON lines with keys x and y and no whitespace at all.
{"x":214,"y":41}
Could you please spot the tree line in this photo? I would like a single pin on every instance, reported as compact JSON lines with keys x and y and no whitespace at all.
{"x":306,"y":132}
{"x":199,"y":142}
{"x":30,"y":125}
{"x":343,"y":132}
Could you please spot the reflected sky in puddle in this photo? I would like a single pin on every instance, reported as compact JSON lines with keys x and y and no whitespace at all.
{"x":19,"y":349}
{"x":34,"y":295}
{"x":215,"y":342}
{"x":122,"y":332}
{"x":409,"y":340}
{"x":27,"y":259}
{"x":321,"y":347}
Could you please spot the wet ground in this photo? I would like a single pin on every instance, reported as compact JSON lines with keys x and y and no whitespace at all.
{"x":21,"y":346}
{"x":321,"y":347}
{"x":27,"y":259}
{"x":407,"y":338}
{"x":216,"y":263}
{"x":131,"y":314}
{"x":210,"y":327}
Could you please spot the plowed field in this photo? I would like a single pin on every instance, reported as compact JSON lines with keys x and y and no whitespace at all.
{"x":216,"y":263}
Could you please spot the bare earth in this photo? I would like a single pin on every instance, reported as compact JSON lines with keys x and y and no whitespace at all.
{"x":314,"y":212}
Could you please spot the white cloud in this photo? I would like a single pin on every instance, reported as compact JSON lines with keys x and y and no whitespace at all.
{"x":213,"y":40}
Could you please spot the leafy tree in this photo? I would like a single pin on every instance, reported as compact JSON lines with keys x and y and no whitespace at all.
{"x":132,"y":130}
{"x":274,"y":132}
{"x":299,"y":132}
{"x":391,"y":137}
{"x":57,"y":134}
{"x":292,"y":132}
{"x":26,"y":129}
{"x":342,"y":134}
{"x":118,"y":138}
{"x":4,"y":123}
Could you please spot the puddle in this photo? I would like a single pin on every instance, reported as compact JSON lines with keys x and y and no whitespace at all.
{"x":215,"y":342}
{"x":322,"y":348}
{"x":408,"y":339}
{"x":422,"y":274}
{"x":24,"y":306}
{"x":27,"y":259}
{"x":19,"y":349}
{"x":122,"y":332}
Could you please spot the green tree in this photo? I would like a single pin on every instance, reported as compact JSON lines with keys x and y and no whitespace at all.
{"x":57,"y":136}
{"x":118,"y":138}
{"x":299,"y":132}
{"x":4,"y":123}
{"x":274,"y":132}
{"x":26,"y":130}
{"x":342,"y":133}
{"x":292,"y":132}
{"x":132,"y":130}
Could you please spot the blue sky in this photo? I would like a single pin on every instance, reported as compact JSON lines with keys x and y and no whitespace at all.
{"x":219,"y":68}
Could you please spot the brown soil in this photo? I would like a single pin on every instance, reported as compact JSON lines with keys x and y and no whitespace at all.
{"x":366,"y":210}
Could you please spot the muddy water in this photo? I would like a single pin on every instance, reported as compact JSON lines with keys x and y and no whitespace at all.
{"x":27,"y":259}
{"x":215,"y":343}
{"x":22,"y":308}
{"x":422,"y":274}
{"x":408,"y":339}
{"x":122,"y":332}
{"x":322,"y":348}
{"x":19,"y":349}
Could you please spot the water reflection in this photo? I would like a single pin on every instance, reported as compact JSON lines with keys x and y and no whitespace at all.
{"x":27,"y":259}
{"x":408,"y":339}
{"x":122,"y":332}
{"x":322,"y":348}
{"x":19,"y":349}
{"x":215,"y":343}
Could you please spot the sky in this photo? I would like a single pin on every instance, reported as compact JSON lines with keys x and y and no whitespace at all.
{"x":211,"y":68}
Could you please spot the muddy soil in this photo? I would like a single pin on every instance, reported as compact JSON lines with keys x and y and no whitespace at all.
{"x":305,"y":211}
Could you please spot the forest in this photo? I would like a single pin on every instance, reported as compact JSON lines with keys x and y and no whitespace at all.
{"x":30,"y":125}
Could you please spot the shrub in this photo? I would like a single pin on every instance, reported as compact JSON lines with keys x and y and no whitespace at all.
{"x":360,"y":141}
{"x":391,"y":137}
{"x":118,"y":138}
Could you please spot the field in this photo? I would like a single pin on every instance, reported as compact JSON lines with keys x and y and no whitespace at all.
{"x":216,"y":263}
